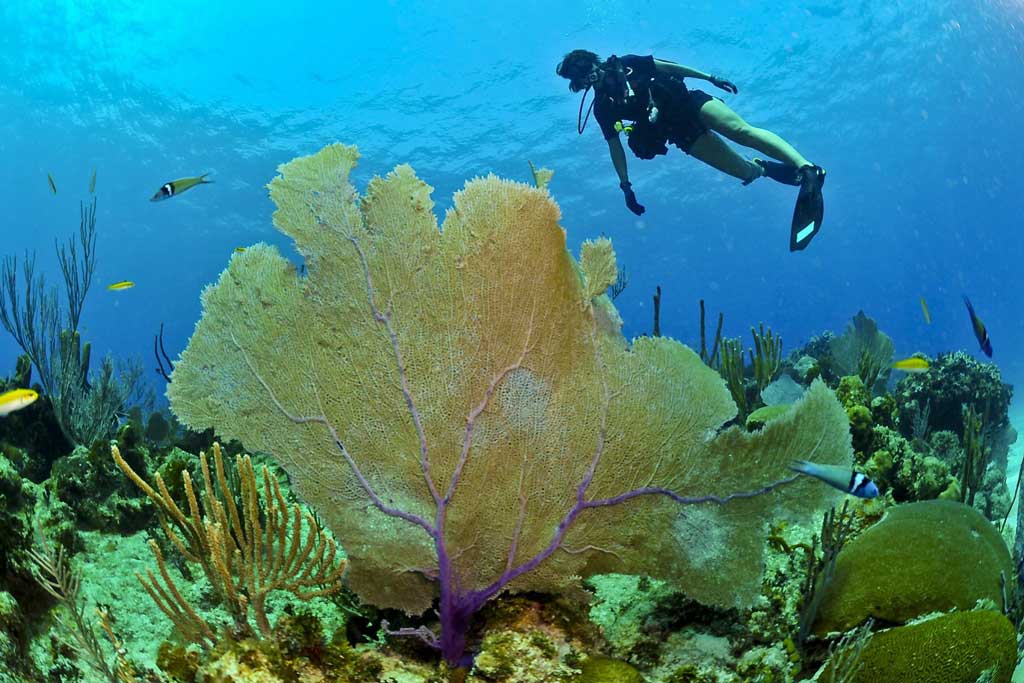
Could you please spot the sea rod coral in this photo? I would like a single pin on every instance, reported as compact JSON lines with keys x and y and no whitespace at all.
{"x":459,"y":405}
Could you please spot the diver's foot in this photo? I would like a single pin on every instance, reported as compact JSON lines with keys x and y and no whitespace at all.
{"x":810,"y":208}
{"x":811,"y":177}
{"x":787,"y":174}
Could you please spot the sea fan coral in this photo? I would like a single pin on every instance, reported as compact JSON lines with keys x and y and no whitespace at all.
{"x":461,"y":416}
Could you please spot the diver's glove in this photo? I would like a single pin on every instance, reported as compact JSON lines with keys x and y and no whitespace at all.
{"x":631,"y":203}
{"x":725,"y":85}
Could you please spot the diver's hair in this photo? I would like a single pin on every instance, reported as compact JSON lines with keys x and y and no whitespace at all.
{"x":577,"y":65}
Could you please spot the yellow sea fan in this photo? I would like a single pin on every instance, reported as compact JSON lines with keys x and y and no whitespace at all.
{"x":597,"y":260}
{"x":417,"y":369}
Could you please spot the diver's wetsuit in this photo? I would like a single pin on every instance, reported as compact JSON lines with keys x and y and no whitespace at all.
{"x":678,"y":118}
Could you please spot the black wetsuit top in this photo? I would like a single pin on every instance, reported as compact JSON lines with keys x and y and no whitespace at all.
{"x":639,"y":72}
{"x":678,"y":119}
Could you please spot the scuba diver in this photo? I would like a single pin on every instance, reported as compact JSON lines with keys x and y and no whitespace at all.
{"x":647,"y":99}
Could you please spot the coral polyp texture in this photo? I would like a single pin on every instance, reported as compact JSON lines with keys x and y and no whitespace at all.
{"x":460,"y":407}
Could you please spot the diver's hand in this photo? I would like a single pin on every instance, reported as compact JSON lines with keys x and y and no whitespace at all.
{"x":725,"y":85}
{"x":631,"y":203}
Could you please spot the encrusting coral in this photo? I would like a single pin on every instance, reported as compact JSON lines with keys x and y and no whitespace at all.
{"x":463,"y":416}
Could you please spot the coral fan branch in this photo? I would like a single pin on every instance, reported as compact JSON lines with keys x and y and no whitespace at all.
{"x":364,"y":483}
{"x":467,"y":439}
{"x":385,"y":319}
{"x":422,"y":633}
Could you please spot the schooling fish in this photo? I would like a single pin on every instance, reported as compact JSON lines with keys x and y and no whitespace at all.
{"x":979,"y":329}
{"x":16,"y":400}
{"x":924,"y":310}
{"x":53,"y":185}
{"x":118,"y":286}
{"x":847,"y":481}
{"x":92,"y":182}
{"x":239,"y":250}
{"x":913,"y":365}
{"x":176,"y":187}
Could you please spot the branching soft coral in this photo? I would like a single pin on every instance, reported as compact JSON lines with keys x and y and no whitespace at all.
{"x":461,"y":409}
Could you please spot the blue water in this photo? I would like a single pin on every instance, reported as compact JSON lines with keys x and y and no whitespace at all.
{"x":914,"y":108}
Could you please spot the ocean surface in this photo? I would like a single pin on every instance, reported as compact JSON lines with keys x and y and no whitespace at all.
{"x":913,"y":108}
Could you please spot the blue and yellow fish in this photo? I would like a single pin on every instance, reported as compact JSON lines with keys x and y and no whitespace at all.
{"x":846,"y":480}
{"x":176,"y":187}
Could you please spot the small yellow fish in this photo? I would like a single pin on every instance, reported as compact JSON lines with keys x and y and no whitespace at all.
{"x":927,"y":314}
{"x":118,"y":286}
{"x":53,"y":185}
{"x":913,"y":365}
{"x":92,"y":183}
{"x":239,"y":250}
{"x":176,"y":187}
{"x":16,"y":400}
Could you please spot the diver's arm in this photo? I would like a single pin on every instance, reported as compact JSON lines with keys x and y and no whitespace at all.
{"x":680,"y":71}
{"x":618,"y":158}
{"x":619,"y":161}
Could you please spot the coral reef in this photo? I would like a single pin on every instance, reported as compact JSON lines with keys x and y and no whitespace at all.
{"x":952,"y":381}
{"x":466,"y":424}
{"x":862,"y":350}
{"x":922,"y":557}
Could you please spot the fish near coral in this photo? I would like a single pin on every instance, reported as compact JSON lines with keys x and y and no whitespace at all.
{"x":484,"y":427}
{"x":122,"y":285}
{"x":915,"y":365}
{"x":924,"y":311}
{"x":980,"y":333}
{"x":841,"y":478}
{"x":16,"y":400}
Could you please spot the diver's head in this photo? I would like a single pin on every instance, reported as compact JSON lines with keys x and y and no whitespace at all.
{"x":581,"y":68}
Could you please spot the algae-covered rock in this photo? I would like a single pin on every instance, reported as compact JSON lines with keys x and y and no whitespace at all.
{"x":955,"y":648}
{"x":860,"y":428}
{"x":931,"y":556}
{"x":912,"y":475}
{"x":852,"y":392}
{"x":515,"y":657}
{"x":607,"y":670}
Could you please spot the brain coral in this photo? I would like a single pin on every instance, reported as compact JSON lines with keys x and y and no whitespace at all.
{"x":924,"y":557}
{"x":460,"y":407}
{"x":955,"y":648}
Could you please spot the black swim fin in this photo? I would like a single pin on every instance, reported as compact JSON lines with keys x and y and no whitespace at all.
{"x":809,"y":210}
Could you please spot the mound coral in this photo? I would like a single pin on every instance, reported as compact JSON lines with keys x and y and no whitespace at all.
{"x":460,"y":408}
{"x":964,"y":647}
{"x":924,"y":557}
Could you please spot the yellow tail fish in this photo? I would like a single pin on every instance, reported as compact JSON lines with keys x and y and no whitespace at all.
{"x":927,"y":315}
{"x":176,"y":187}
{"x":16,"y":400}
{"x":913,"y":365}
{"x":118,"y":286}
